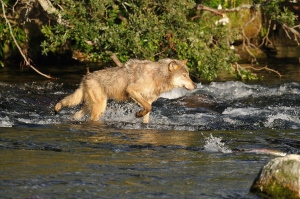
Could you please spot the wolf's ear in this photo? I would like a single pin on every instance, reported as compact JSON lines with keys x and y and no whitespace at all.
{"x":184,"y":61}
{"x":173,"y":66}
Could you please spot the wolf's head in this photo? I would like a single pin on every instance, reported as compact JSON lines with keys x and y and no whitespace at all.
{"x":180,"y":75}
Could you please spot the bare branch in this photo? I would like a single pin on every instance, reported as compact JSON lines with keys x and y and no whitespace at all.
{"x":264,"y":68}
{"x":88,"y":71}
{"x":215,"y":11}
{"x":116,"y":60}
{"x":222,"y":11}
{"x":242,"y":7}
{"x":288,"y":29}
{"x":244,"y":27}
{"x":50,"y":9}
{"x":238,"y":67}
{"x":16,"y":43}
{"x":266,"y":40}
{"x":13,"y":8}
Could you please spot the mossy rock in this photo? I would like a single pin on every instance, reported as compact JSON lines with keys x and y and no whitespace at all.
{"x":280,"y":178}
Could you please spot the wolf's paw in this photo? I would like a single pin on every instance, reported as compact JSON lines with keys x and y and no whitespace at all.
{"x":57,"y":107}
{"x":140,"y":113}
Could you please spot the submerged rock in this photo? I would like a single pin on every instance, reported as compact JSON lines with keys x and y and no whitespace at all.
{"x":197,"y":100}
{"x":280,"y":178}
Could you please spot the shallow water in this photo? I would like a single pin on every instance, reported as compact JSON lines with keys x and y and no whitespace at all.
{"x":209,"y":143}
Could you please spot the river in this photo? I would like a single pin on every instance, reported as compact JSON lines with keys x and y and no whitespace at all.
{"x":209,"y":143}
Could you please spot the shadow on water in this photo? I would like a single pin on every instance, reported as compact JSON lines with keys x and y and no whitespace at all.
{"x":210,"y":143}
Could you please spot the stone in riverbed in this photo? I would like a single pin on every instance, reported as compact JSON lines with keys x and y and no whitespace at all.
{"x":280,"y":178}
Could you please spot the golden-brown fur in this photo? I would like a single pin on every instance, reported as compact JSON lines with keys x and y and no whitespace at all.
{"x":142,"y":81}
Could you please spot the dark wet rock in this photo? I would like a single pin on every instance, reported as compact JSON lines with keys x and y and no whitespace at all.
{"x":280,"y":178}
{"x":198,"y":100}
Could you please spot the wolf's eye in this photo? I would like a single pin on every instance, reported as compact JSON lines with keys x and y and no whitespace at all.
{"x":184,"y":75}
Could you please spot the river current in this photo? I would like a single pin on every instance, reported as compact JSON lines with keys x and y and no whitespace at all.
{"x":209,"y":143}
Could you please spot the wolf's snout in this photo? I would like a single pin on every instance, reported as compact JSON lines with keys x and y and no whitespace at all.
{"x":191,"y":86}
{"x":195,"y":86}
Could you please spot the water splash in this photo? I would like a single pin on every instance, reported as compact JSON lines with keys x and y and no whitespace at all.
{"x":215,"y":144}
{"x":121,"y":112}
{"x":175,"y":93}
{"x":236,"y":105}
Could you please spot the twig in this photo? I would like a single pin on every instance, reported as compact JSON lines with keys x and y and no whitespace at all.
{"x":237,"y":67}
{"x":88,"y":71}
{"x":222,"y":11}
{"x":292,"y":30}
{"x":215,"y":11}
{"x":13,"y":8}
{"x":16,"y":43}
{"x":116,"y":60}
{"x":266,"y":40}
{"x":265,"y":68}
{"x":50,"y":9}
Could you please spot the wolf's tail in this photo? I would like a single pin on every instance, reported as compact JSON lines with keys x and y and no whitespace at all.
{"x":71,"y":100}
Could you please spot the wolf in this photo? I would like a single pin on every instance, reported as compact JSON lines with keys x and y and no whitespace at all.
{"x":140,"y":80}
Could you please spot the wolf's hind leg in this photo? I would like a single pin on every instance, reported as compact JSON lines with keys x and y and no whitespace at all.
{"x":98,"y":109}
{"x":79,"y":114}
{"x":97,"y":101}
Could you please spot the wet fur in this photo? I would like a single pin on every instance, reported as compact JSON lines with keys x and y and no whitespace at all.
{"x":140,"y":80}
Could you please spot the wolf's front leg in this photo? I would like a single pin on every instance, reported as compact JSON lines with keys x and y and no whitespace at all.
{"x":146,"y":118}
{"x":141,"y":101}
{"x":142,"y":113}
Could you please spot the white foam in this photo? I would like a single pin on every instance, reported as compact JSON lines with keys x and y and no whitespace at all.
{"x":175,"y":93}
{"x":283,"y":116}
{"x":231,"y":121}
{"x":5,"y":122}
{"x":232,"y":90}
{"x":40,"y":121}
{"x":27,"y":121}
{"x":41,"y":86}
{"x":242,"y":111}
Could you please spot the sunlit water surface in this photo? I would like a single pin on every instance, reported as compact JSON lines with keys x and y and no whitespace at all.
{"x":209,"y":143}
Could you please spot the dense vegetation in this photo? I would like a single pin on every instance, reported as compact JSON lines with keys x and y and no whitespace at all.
{"x":148,"y":29}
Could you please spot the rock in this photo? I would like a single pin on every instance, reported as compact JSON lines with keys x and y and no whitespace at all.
{"x":280,"y":178}
{"x":197,"y":100}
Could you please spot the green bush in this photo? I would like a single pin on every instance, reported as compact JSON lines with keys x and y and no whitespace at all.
{"x":144,"y":30}
{"x":148,"y":29}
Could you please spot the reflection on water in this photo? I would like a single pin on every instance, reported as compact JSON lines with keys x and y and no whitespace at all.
{"x":84,"y":161}
{"x":210,"y":143}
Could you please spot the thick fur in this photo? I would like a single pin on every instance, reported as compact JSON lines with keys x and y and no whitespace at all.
{"x":142,"y":81}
